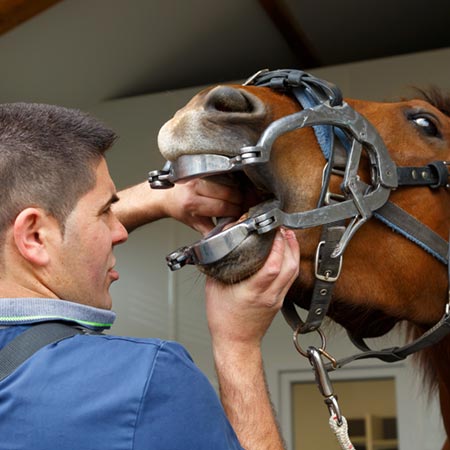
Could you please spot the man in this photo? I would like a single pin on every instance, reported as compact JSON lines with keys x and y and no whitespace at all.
{"x":59,"y":222}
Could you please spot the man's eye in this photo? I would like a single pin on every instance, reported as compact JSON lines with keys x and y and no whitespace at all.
{"x":427,"y":125}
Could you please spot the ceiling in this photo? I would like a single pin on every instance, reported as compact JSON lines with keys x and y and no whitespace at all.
{"x":81,"y":52}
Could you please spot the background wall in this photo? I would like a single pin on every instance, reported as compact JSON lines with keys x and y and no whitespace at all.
{"x":150,"y":301}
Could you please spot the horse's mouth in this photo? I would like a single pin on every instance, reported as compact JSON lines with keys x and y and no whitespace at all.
{"x":250,"y":255}
{"x":253,"y":199}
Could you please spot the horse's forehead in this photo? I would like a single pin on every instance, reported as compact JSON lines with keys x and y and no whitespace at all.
{"x":385,"y":111}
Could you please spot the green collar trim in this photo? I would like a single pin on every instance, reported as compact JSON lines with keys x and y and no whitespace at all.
{"x":19,"y":311}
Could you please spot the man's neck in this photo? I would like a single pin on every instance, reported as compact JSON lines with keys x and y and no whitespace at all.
{"x":11,"y":289}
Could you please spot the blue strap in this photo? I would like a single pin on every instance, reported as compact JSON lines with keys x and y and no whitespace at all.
{"x":323,"y":133}
{"x":408,"y":226}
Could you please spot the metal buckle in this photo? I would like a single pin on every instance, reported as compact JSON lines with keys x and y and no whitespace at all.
{"x":327,"y":275}
{"x":331,"y":197}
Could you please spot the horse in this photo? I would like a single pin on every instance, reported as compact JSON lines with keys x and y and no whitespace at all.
{"x":268,"y":136}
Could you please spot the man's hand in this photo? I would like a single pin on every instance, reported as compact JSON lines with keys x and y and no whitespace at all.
{"x":238,"y":317}
{"x":194,"y":203}
{"x":241,"y":313}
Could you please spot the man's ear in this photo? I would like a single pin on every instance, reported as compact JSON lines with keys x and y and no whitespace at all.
{"x":33,"y":228}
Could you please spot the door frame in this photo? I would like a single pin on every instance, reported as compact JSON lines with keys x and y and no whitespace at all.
{"x":406,"y":400}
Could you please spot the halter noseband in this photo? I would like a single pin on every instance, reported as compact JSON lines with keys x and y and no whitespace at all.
{"x":337,"y":126}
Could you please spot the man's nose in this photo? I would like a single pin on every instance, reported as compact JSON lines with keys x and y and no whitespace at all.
{"x":120,"y":233}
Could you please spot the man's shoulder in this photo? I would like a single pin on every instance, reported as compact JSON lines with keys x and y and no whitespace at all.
{"x":119,"y":349}
{"x":128,"y":342}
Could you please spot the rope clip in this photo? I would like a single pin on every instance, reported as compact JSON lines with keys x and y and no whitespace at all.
{"x":323,"y":382}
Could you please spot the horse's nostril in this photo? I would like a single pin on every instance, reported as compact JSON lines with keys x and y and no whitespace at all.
{"x":228,"y":99}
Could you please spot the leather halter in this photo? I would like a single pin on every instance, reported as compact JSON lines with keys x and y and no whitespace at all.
{"x":337,"y":126}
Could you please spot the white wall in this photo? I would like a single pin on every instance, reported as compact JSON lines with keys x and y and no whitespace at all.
{"x":152,"y":302}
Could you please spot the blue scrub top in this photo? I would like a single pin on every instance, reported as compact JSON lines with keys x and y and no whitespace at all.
{"x":95,"y":392}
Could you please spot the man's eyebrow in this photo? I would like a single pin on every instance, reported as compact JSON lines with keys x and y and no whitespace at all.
{"x":113,"y":199}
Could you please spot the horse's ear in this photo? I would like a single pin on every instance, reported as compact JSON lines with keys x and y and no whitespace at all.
{"x":32,"y":230}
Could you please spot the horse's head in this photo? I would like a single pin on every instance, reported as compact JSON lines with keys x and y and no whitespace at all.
{"x":385,"y":277}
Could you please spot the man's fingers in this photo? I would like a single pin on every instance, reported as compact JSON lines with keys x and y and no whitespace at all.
{"x":283,"y":261}
{"x":285,"y":249}
{"x":292,"y":256}
{"x":203,"y":225}
{"x":291,"y":261}
{"x":281,"y":266}
{"x":228,"y":193}
{"x":212,"y":207}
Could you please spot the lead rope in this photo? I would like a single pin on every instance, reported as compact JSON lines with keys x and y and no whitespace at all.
{"x":341,"y":432}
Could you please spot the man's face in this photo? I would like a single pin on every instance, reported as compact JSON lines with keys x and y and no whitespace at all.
{"x":83,"y":265}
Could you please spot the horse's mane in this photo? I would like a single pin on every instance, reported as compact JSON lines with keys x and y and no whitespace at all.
{"x":436,"y":97}
{"x":431,"y":358}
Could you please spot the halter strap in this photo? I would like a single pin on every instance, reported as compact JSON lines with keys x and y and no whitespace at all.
{"x":408,"y":226}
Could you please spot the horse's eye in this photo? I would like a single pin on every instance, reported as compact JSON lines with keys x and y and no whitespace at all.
{"x":427,"y":125}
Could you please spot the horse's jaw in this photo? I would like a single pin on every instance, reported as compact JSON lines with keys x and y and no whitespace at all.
{"x":243,"y":261}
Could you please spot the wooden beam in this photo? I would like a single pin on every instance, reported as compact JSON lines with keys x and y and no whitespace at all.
{"x":281,"y":17}
{"x":14,"y":12}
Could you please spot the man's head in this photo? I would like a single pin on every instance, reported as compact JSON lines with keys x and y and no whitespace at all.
{"x":56,"y":227}
{"x":48,"y":156}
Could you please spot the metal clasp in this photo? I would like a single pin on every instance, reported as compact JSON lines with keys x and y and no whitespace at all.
{"x":324,"y":383}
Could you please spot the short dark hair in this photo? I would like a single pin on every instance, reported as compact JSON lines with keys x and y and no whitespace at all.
{"x":48,"y":156}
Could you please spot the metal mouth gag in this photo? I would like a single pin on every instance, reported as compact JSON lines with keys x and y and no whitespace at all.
{"x":334,"y":121}
{"x":343,"y":135}
{"x":361,"y":199}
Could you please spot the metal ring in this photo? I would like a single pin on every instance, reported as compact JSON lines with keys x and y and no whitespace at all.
{"x":299,"y":347}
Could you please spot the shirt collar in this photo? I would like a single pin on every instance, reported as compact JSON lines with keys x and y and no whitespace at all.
{"x":20,"y":311}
